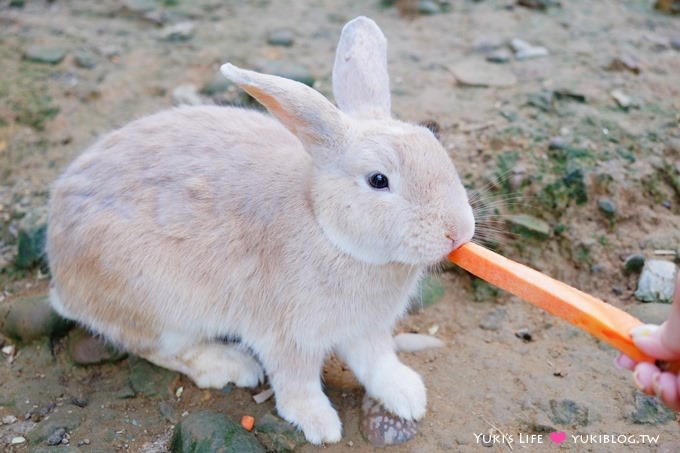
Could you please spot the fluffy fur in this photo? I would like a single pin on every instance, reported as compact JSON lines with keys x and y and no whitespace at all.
{"x":199,"y":223}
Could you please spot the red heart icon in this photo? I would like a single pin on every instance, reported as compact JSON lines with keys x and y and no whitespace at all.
{"x":558,"y":437}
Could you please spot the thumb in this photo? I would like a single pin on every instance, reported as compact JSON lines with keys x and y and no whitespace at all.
{"x":647,"y":338}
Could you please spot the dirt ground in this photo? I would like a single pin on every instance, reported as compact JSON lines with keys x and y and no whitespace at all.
{"x":485,"y":380}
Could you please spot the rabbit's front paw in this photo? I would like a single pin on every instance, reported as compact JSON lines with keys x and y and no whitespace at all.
{"x":400,"y":390}
{"x":316,"y":418}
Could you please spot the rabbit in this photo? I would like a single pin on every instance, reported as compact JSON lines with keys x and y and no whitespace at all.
{"x":301,"y":233}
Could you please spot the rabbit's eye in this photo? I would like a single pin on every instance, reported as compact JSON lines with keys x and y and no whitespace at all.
{"x":378,"y":181}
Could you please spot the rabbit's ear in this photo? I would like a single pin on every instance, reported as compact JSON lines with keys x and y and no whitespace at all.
{"x":361,"y":85}
{"x":301,"y":109}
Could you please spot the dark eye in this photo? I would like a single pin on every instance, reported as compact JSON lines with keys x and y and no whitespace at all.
{"x":378,"y":181}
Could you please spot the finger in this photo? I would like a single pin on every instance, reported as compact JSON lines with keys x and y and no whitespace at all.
{"x":666,"y":389}
{"x":644,"y":377}
{"x":647,"y":338}
{"x":624,"y":362}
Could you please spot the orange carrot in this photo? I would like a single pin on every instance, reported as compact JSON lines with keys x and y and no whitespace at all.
{"x":596,"y":317}
{"x":248,"y":421}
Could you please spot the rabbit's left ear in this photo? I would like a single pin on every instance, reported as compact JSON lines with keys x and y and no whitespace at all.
{"x":361,"y":85}
{"x":319,"y":125}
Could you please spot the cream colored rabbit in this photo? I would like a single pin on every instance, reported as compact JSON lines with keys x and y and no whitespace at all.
{"x":301,"y":236}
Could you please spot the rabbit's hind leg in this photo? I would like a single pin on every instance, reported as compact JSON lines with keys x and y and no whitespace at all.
{"x":210,"y":364}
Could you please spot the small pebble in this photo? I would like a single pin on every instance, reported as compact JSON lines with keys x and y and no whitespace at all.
{"x":623,"y":100}
{"x":85,"y":60}
{"x":666,"y":204}
{"x":281,"y":37}
{"x":499,"y":56}
{"x":524,"y":334}
{"x":9,"y":419}
{"x":557,"y":143}
{"x":633,"y":263}
{"x":607,"y":207}
{"x":56,"y":437}
{"x":83,"y":442}
{"x":18,"y":440}
{"x":533,"y":52}
{"x":182,"y":31}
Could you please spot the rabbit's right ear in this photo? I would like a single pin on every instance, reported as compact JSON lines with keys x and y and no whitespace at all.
{"x":361,"y":85}
{"x":312,"y":118}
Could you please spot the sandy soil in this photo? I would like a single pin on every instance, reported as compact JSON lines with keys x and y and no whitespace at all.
{"x":482,"y":381}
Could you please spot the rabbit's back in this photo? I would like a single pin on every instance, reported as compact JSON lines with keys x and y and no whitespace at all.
{"x":157,"y":205}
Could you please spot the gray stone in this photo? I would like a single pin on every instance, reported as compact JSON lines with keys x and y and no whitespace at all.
{"x":151,"y":380}
{"x":499,"y":56}
{"x":568,"y":412}
{"x":277,"y":434}
{"x":31,"y":239}
{"x":56,"y":437}
{"x":428,"y":7}
{"x":557,"y":143}
{"x":532,"y":52}
{"x":607,"y":207}
{"x":182,"y":31}
{"x":649,"y":411}
{"x":217,"y":84}
{"x":650,"y":313}
{"x":287,"y":69}
{"x":208,"y":431}
{"x":657,"y":281}
{"x":623,"y":100}
{"x":281,"y":37}
{"x":493,"y":319}
{"x":675,"y":42}
{"x":27,"y":319}
{"x":85,"y":60}
{"x":58,"y":420}
{"x":86,"y":349}
{"x":633,"y":263}
{"x":528,"y":225}
{"x":382,"y":428}
{"x":476,"y":73}
{"x":48,"y":55}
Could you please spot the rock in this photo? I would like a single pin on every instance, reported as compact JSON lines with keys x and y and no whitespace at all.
{"x":182,"y":31}
{"x":27,"y":319}
{"x":528,"y":225}
{"x":56,"y":437}
{"x":568,"y":412}
{"x":428,"y":7}
{"x":31,"y":239}
{"x":277,"y":434}
{"x":48,"y":55}
{"x":524,"y":50}
{"x":675,"y":42}
{"x":151,"y":380}
{"x":85,"y":60}
{"x":86,"y":349}
{"x":212,"y":431}
{"x":650,"y":313}
{"x":58,"y":420}
{"x":607,"y":207}
{"x":532,"y":52}
{"x":477,"y":73}
{"x":524,"y":334}
{"x":538,"y":4}
{"x":287,"y":69}
{"x":382,"y":428}
{"x":493,"y":319}
{"x":668,"y":6}
{"x":18,"y":440}
{"x":187,"y":95}
{"x":622,"y":99}
{"x":168,"y":411}
{"x":657,"y":281}
{"x":557,"y":143}
{"x":499,"y":56}
{"x":138,"y":7}
{"x":281,"y":37}
{"x":224,"y":92}
{"x":633,"y":263}
{"x":649,"y":411}
{"x":624,"y":63}
{"x":17,"y":3}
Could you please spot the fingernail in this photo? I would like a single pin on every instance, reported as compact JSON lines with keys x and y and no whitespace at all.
{"x":636,"y":379}
{"x":644,"y":330}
